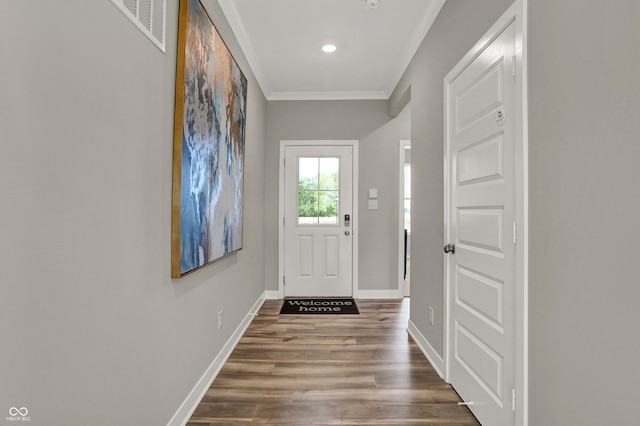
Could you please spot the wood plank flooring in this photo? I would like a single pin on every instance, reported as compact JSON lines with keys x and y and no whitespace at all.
{"x":330,"y":370}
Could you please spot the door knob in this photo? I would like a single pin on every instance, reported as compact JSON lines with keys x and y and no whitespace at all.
{"x":346,"y":233}
{"x":450,"y":248}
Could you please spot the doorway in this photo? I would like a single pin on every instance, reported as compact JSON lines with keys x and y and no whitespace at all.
{"x":319,"y":218}
{"x":404,"y":218}
{"x":486,"y":224}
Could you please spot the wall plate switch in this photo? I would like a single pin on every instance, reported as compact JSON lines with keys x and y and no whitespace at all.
{"x":373,"y":204}
{"x":373,"y":192}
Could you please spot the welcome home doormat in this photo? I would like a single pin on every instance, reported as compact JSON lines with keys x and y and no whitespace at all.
{"x":319,"y":306}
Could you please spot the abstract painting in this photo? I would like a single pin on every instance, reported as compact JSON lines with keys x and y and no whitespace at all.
{"x":208,"y":147}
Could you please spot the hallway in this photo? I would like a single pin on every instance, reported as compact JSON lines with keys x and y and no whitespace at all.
{"x":338,"y":369}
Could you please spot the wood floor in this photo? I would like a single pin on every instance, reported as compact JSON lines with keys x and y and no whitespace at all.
{"x":330,"y":370}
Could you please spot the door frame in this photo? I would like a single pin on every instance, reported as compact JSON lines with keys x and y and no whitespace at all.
{"x":516,"y":13}
{"x":354,"y":215}
{"x":404,"y":143}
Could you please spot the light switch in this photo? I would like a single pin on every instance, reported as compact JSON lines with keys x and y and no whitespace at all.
{"x":373,"y":192}
{"x":373,"y":204}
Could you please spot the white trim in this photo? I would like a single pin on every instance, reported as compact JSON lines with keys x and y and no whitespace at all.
{"x":326,"y":96}
{"x":237,"y":26}
{"x":354,"y":227}
{"x":186,"y":409}
{"x":401,"y":161}
{"x":235,"y":22}
{"x":517,"y":13}
{"x":522,"y":216}
{"x":436,"y":360}
{"x":412,"y":45}
{"x":378,"y":294}
{"x":272,"y":295}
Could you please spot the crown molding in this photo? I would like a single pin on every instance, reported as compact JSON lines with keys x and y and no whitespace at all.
{"x":233,"y":17}
{"x":413,"y":44}
{"x":326,"y":96}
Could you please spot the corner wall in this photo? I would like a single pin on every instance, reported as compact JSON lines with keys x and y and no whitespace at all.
{"x":93,"y":329}
{"x":584,"y":98}
{"x":379,"y":135}
{"x":457,"y":28}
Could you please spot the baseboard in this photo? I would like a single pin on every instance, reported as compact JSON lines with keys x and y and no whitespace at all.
{"x":182,"y":416}
{"x":272,"y":295}
{"x":436,"y":360}
{"x":360,"y":294}
{"x":379,"y":294}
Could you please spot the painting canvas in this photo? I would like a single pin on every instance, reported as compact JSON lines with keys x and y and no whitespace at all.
{"x":209,"y":139}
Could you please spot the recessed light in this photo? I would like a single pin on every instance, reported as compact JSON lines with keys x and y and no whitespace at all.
{"x":371,"y":4}
{"x":329,"y":48}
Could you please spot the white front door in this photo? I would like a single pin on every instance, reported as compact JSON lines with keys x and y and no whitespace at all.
{"x":481,"y":271}
{"x":318,"y":220}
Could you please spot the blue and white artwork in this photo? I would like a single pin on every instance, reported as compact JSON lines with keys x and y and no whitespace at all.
{"x":212,"y":114}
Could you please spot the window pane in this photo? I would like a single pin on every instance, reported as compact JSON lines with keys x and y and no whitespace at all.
{"x":329,"y":171}
{"x":407,"y":215}
{"x":328,"y":207}
{"x":407,"y":181}
{"x":308,"y":173}
{"x":307,"y":207}
{"x":318,"y":185}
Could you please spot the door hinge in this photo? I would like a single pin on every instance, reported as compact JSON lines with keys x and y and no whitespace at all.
{"x":284,"y":282}
{"x":282,"y":220}
{"x":513,"y":66}
{"x":515,"y":233}
{"x":513,"y":400}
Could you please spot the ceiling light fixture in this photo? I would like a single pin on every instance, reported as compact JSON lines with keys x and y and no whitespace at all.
{"x":371,"y":4}
{"x":329,"y":48}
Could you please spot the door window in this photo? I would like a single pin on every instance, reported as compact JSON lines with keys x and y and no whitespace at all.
{"x":318,"y":188}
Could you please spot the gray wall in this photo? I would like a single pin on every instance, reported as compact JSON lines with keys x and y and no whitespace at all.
{"x":584,"y":98}
{"x":584,"y":152}
{"x":379,"y":136}
{"x":92,"y":328}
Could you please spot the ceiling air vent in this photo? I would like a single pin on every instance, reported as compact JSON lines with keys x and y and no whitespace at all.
{"x":148,"y":15}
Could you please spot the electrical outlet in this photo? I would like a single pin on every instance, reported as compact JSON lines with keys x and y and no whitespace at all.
{"x":220,"y":320}
{"x":430,"y":315}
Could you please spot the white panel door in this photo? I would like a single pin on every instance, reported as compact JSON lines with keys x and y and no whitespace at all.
{"x":481,"y":270}
{"x":318,"y":197}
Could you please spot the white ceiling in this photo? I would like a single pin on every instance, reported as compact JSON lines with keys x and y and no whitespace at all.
{"x":282,"y":41}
